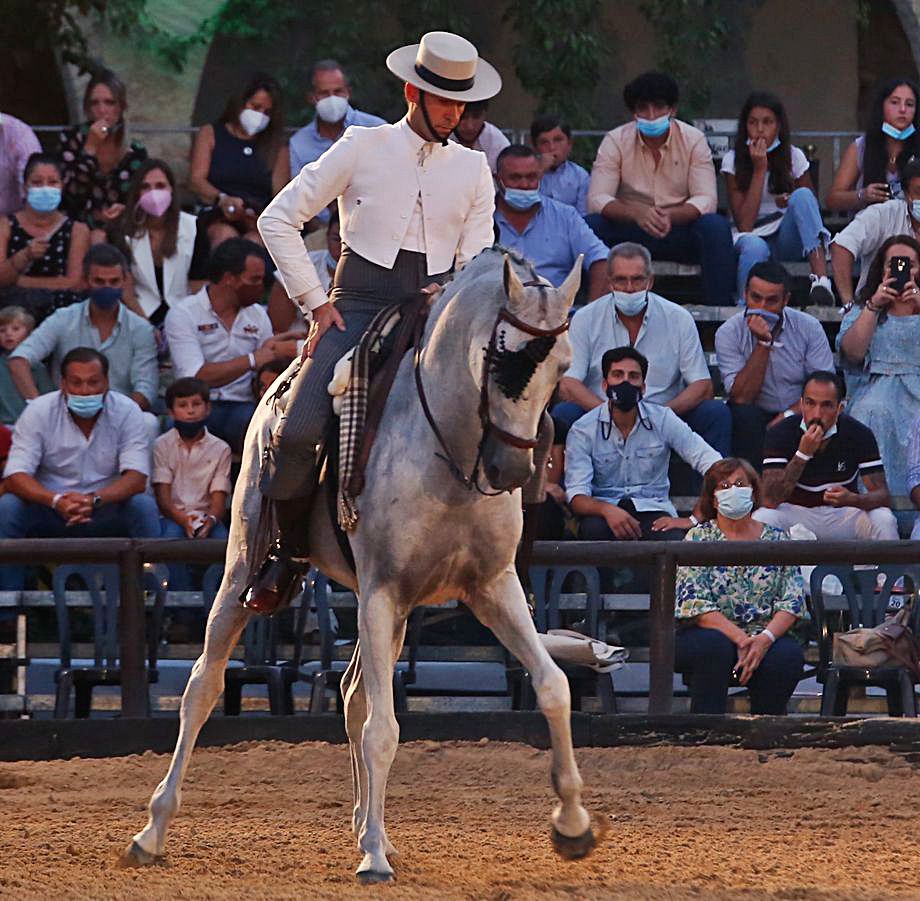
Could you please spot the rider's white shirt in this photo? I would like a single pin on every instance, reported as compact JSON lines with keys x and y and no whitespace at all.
{"x":395,"y":191}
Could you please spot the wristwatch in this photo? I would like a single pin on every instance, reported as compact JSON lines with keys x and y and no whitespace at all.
{"x":693,"y":520}
{"x":97,"y":502}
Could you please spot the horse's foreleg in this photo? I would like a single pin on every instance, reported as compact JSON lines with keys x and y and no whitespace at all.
{"x":204,"y":687}
{"x":352,"y":688}
{"x":505,"y":613}
{"x":382,"y":631}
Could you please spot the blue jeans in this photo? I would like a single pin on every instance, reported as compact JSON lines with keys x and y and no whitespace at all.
{"x":136,"y":517}
{"x":708,"y":657}
{"x":800,"y":232}
{"x":229,"y":420}
{"x":179,"y":574}
{"x":706,"y":241}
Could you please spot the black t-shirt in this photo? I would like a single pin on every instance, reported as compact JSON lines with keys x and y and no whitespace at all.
{"x":848,"y":454}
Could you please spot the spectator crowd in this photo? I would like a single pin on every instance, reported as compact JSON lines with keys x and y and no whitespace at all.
{"x":141,"y":322}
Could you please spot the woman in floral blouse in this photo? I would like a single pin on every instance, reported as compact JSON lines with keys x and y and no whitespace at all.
{"x":733,"y":621}
{"x":98,"y":159}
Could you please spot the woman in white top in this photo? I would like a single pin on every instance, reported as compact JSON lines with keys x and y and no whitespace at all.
{"x":159,"y":240}
{"x":772,"y":198}
{"x":869,"y":169}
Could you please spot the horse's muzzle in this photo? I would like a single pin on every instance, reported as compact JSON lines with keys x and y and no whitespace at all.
{"x":506,"y":467}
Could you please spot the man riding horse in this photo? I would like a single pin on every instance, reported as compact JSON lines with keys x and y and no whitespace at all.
{"x":412,"y":206}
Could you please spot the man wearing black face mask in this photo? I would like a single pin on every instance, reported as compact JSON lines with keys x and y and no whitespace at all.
{"x":617,"y":455}
{"x":103,"y":323}
{"x":222,"y":335}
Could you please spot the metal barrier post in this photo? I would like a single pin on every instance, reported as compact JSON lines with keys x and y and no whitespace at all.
{"x":131,"y":635}
{"x":661,"y":635}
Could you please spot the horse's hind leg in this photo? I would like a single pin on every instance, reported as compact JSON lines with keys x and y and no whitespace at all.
{"x":204,"y":687}
{"x":504,"y":611}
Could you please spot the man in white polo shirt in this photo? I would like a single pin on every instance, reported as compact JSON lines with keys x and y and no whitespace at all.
{"x":222,"y":335}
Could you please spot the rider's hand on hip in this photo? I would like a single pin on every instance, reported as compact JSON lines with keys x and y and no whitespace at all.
{"x":324,"y":316}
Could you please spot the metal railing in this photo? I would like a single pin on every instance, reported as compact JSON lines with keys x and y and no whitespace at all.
{"x":663,"y":556}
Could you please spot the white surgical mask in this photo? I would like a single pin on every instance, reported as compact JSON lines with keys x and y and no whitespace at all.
{"x":735,"y":502}
{"x":630,"y":303}
{"x":252,"y":121}
{"x":332,"y":109}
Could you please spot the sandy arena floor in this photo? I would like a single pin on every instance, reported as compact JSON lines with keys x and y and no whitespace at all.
{"x":269,"y":820}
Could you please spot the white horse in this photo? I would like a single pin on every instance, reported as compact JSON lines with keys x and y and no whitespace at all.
{"x":430,"y":530}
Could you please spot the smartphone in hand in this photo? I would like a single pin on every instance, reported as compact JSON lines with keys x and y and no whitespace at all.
{"x":899,"y":270}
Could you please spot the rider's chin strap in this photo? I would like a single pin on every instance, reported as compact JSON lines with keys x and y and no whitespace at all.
{"x":434,"y":135}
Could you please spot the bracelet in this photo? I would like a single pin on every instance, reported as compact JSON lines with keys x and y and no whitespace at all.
{"x":769,"y":635}
{"x":55,"y":499}
{"x":765,"y":343}
{"x":252,"y":361}
{"x":802,"y":456}
{"x":693,"y":519}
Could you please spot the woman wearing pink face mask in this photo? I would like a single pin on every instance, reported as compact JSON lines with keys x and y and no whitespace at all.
{"x":159,"y":240}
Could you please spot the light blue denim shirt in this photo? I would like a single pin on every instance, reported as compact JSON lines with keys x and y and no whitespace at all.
{"x":131,"y":348}
{"x":552,"y":240}
{"x":612,"y":468}
{"x":567,"y":184}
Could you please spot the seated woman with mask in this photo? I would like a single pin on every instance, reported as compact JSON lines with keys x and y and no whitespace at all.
{"x":733,"y":621}
{"x":41,"y":249}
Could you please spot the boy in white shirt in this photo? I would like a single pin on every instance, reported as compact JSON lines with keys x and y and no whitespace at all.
{"x":191,"y":472}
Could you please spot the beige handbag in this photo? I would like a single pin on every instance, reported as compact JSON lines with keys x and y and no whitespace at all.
{"x":892,"y":643}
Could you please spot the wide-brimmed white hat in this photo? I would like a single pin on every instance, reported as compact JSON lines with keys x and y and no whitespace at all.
{"x":446,"y":65}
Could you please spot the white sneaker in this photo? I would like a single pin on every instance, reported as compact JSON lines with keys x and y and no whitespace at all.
{"x":822,"y":292}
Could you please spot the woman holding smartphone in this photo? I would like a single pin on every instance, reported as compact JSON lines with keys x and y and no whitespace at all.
{"x":879,"y":338}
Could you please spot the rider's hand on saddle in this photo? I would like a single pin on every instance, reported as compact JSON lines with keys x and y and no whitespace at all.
{"x":324,"y":317}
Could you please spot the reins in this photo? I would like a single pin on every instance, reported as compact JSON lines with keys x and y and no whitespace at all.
{"x":471,"y":481}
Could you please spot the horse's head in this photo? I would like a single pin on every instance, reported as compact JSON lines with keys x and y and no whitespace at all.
{"x":528,"y":351}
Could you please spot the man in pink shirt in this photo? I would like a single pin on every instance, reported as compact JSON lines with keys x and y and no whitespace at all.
{"x":17,"y":144}
{"x":654,"y":183}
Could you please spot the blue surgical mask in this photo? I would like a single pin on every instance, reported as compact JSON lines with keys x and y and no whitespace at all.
{"x":915,"y":209}
{"x":735,"y":502}
{"x":630,"y":303}
{"x":44,"y":200}
{"x":828,"y":434}
{"x":519,"y":199}
{"x":653,"y":128}
{"x":770,"y":318}
{"x":86,"y":406}
{"x":901,"y":135}
{"x":771,"y":148}
{"x":105,"y":298}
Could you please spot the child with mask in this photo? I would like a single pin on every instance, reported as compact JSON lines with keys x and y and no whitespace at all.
{"x":191,"y":472}
{"x":15,"y":326}
{"x":41,"y":249}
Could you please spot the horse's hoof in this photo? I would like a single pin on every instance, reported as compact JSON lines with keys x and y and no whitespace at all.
{"x":574,"y":848}
{"x":373,"y":877}
{"x":135,"y":856}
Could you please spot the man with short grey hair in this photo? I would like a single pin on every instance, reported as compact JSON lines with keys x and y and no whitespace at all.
{"x":329,"y":94}
{"x":633,"y":315}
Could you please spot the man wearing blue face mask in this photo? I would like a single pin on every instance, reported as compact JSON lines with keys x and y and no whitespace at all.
{"x":79,"y":464}
{"x":548,"y":233}
{"x":653,"y":183}
{"x":764,"y":354}
{"x":103,"y":323}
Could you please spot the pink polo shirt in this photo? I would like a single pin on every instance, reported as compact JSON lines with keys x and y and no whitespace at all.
{"x":193,"y":473}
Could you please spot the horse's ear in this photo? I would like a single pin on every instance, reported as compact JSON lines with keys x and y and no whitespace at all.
{"x":569,"y":288}
{"x":514,"y":287}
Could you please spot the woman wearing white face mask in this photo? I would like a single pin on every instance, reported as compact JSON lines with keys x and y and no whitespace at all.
{"x":733,"y":621}
{"x":241,"y":161}
{"x":41,"y":249}
{"x":159,"y":240}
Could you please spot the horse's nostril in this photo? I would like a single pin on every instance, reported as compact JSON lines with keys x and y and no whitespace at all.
{"x":493,"y":473}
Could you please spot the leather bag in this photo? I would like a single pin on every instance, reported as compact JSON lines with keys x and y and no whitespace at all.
{"x":892,"y":643}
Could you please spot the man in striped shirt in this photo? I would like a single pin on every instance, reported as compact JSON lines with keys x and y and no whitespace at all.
{"x":812,"y":466}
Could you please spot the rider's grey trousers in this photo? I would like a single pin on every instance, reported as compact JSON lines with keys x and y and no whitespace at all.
{"x":361,"y":290}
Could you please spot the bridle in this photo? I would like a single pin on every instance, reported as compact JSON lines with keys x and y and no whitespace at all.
{"x":471,"y":481}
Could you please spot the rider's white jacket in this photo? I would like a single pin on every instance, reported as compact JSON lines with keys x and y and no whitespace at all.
{"x":395,"y":191}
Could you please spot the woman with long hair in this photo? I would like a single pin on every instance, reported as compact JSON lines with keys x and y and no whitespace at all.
{"x":241,"y":161}
{"x":159,"y":241}
{"x":879,"y":338}
{"x":772,"y":198}
{"x":869,"y":169}
{"x":98,"y":156}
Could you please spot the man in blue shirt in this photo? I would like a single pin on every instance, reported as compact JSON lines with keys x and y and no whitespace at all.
{"x":617,"y":456}
{"x":329,"y":94}
{"x":548,"y":233}
{"x":562,"y":180}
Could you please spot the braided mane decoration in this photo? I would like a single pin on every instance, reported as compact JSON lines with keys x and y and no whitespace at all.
{"x":513,"y":369}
